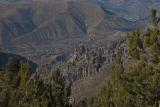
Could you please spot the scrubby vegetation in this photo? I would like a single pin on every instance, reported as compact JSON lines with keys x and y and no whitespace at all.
{"x":19,"y":89}
{"x":135,"y":80}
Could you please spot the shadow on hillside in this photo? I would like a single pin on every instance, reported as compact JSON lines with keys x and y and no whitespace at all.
{"x":5,"y":56}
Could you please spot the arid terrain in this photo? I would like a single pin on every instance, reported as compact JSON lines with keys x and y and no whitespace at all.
{"x":77,"y":36}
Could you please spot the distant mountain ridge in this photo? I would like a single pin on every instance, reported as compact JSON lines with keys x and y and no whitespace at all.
{"x":128,"y":9}
{"x":22,"y":24}
{"x":131,"y":9}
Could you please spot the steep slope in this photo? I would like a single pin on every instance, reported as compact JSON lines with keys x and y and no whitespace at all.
{"x":43,"y":29}
{"x":131,"y":9}
{"x":75,"y":19}
{"x":15,"y":20}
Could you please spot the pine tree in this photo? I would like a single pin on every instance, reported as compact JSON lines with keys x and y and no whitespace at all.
{"x":52,"y":92}
{"x":135,"y":44}
{"x":18,"y":90}
{"x":10,"y":83}
{"x":155,"y":19}
{"x":136,"y":84}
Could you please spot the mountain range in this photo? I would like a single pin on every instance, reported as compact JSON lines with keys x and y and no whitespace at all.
{"x":131,"y":9}
{"x":44,"y":28}
{"x":32,"y":28}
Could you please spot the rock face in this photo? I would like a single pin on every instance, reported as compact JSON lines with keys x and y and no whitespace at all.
{"x":85,"y":62}
{"x":87,"y":69}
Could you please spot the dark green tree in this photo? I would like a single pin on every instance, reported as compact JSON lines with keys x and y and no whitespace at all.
{"x":17,"y":89}
{"x":155,"y":19}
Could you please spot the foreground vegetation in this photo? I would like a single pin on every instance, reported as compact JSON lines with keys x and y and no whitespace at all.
{"x":18,"y":89}
{"x":135,"y":80}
